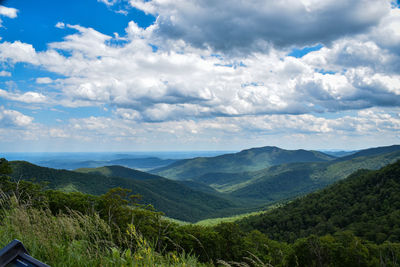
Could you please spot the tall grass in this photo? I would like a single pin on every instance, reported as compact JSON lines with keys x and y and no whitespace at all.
{"x":74,"y":239}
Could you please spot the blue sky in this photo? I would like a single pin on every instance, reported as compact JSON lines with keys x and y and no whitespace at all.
{"x":117,"y":75}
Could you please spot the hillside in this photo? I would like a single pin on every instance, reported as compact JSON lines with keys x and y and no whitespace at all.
{"x":174,"y":199}
{"x":367,"y":203}
{"x":285,"y":181}
{"x":371,"y":152}
{"x":119,"y":171}
{"x":288,"y":180}
{"x":253,"y":159}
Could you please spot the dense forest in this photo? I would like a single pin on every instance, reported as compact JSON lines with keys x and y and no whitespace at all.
{"x":162,"y":193}
{"x":221,"y":194}
{"x":367,"y":203}
{"x":352,"y":223}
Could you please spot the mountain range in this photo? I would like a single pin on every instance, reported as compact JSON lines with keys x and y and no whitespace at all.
{"x":288,"y":173}
{"x":247,"y":160}
{"x":229,"y":184}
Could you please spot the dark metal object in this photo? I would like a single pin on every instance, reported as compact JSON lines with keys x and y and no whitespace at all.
{"x":16,"y":255}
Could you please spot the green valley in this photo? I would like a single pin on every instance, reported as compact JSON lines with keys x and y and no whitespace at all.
{"x":171,"y":197}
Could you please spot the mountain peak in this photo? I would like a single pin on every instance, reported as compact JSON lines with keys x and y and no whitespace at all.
{"x":253,"y":159}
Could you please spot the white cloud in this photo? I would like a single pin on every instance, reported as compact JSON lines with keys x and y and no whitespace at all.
{"x":248,"y":26}
{"x":4,"y":73}
{"x":387,"y":33}
{"x":123,"y":12}
{"x":13,"y":118}
{"x":8,"y":12}
{"x":181,"y":91}
{"x":44,"y":80}
{"x":108,"y":2}
{"x":169,"y":85}
{"x":28,"y":97}
{"x":125,"y":132}
{"x":60,"y":25}
{"x":58,"y":133}
{"x":18,"y":52}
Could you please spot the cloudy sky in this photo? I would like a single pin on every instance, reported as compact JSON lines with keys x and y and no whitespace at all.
{"x":133,"y":75}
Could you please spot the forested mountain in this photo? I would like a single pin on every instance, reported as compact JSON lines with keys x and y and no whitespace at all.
{"x":288,"y":180}
{"x":371,"y":152}
{"x":253,"y":159}
{"x":217,"y":194}
{"x":171,"y":197}
{"x":119,"y":171}
{"x":366,"y":203}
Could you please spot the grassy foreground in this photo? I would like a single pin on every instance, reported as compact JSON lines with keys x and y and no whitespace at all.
{"x":74,"y":239}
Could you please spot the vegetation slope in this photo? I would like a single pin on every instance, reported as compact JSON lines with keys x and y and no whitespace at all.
{"x":286,"y":181}
{"x":173,"y":198}
{"x":289,"y":180}
{"x":367,"y":203}
{"x":247,"y":160}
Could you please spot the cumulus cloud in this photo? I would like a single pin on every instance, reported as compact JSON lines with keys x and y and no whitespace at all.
{"x":167,"y":85}
{"x":18,"y":52}
{"x":211,"y":72}
{"x":180,"y":91}
{"x":44,"y":80}
{"x":366,"y":125}
{"x":8,"y":12}
{"x":28,"y":97}
{"x":13,"y":119}
{"x":387,"y":33}
{"x":58,"y":133}
{"x":4,"y":73}
{"x":248,"y":26}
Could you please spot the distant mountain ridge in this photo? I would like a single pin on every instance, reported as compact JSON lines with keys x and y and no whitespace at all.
{"x":253,"y":159}
{"x":371,"y":152}
{"x":145,"y":163}
{"x":175,"y":199}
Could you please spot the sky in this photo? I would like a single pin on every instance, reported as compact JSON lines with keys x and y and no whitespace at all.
{"x":159,"y":75}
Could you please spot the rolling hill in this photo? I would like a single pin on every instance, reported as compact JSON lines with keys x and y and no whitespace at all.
{"x":173,"y":198}
{"x":366,"y":203}
{"x":217,"y":194}
{"x":371,"y":152}
{"x":119,"y":171}
{"x":253,"y":159}
{"x":288,"y":180}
